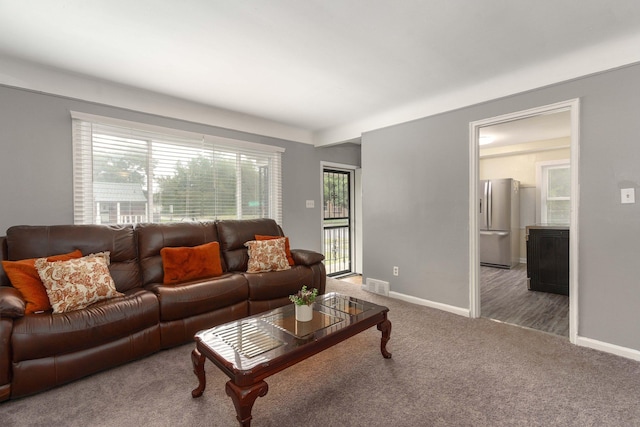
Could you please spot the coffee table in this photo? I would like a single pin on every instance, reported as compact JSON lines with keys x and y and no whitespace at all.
{"x":251,"y":349}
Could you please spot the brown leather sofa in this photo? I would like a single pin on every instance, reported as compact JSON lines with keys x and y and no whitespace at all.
{"x":41,"y":351}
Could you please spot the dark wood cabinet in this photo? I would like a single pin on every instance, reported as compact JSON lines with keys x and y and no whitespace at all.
{"x":548,"y":259}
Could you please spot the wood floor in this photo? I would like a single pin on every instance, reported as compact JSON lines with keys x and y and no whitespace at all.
{"x":504,"y":297}
{"x":352,"y":278}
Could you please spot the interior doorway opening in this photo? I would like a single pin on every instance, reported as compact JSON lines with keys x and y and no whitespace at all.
{"x":479,"y":274}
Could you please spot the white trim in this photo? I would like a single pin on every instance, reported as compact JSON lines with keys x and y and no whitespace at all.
{"x":432,"y":304}
{"x":85,"y":126}
{"x":175,"y":132}
{"x":474,"y":260}
{"x":629,"y":353}
{"x":338,"y":165}
{"x":574,"y":227}
{"x":355,"y":251}
{"x":474,"y":244}
{"x":357,"y":196}
{"x":522,"y":152}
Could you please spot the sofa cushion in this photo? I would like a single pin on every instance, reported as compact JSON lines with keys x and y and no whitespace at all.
{"x":287,"y":246}
{"x":188,"y":263}
{"x":6,"y":325}
{"x":24,"y":277}
{"x":11,"y":304}
{"x":39,"y":241}
{"x":233,"y":234}
{"x":306,"y":257}
{"x":267,"y":255}
{"x":44,"y":335}
{"x":77,"y":283}
{"x":266,"y":286}
{"x":186,"y":299}
{"x":153,"y":237}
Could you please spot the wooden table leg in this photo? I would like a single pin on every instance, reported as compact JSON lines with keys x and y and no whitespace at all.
{"x":244,"y":398}
{"x":385,"y":328}
{"x":197,"y":360}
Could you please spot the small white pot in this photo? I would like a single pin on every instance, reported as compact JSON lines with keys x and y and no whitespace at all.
{"x":304,"y":313}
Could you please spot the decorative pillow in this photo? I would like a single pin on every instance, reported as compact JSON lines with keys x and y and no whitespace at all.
{"x":287,"y":248}
{"x":188,"y":263}
{"x":267,"y":255}
{"x":77,"y":283}
{"x":24,"y":277}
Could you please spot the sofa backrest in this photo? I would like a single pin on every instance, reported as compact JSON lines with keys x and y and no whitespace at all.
{"x":233,"y":234}
{"x":153,"y":237}
{"x":4,"y":280}
{"x":37,"y":241}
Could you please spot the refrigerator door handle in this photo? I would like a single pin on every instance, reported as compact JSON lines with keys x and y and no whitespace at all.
{"x":483,"y":209}
{"x":494,"y":233}
{"x":489,"y":204}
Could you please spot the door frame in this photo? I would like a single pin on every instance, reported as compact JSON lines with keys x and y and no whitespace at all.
{"x":355,"y":200}
{"x":573,"y":106}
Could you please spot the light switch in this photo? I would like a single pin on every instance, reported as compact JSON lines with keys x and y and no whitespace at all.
{"x":311,"y":204}
{"x":628,"y":195}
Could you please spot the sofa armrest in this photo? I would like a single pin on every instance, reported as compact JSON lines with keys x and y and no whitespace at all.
{"x":306,"y":257}
{"x":11,"y":302}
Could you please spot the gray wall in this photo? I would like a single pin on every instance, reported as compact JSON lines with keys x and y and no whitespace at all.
{"x":416,"y":191}
{"x":36,"y":171}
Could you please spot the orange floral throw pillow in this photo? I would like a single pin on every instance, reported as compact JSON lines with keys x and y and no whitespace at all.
{"x":189,"y":263}
{"x":77,"y":283}
{"x":267,"y":255}
{"x":287,"y":248}
{"x":24,"y":277}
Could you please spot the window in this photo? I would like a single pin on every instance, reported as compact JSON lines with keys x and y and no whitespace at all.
{"x":128,"y":172}
{"x":554,"y":182}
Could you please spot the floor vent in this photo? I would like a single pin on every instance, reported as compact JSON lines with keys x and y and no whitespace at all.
{"x":376,"y":286}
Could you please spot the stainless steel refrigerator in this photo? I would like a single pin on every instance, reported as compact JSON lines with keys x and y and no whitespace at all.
{"x":499,"y":222}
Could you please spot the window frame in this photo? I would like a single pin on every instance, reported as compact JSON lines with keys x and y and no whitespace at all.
{"x":542,"y":187}
{"x":84,"y":203}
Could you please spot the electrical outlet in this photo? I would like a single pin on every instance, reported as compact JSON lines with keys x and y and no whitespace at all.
{"x":395,"y":271}
{"x":627,"y":195}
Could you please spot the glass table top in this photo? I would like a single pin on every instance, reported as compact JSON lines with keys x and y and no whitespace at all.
{"x":248,"y":342}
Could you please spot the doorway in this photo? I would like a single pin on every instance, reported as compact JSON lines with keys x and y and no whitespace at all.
{"x":337,"y":220}
{"x":570,"y":109}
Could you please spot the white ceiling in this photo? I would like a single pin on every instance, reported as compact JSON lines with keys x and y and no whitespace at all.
{"x":327,"y":70}
{"x":541,"y":127}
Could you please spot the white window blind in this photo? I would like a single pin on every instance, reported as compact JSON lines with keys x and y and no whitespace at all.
{"x":126,"y":173}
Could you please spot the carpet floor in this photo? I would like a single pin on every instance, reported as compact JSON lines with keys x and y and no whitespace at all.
{"x":446,"y":370}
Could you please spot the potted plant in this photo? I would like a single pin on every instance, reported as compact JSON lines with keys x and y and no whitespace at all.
{"x":303,"y":301}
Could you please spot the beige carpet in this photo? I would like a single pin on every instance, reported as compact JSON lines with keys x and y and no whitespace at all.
{"x":446,"y":370}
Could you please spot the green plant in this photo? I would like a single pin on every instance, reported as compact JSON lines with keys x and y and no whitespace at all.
{"x":304,"y":296}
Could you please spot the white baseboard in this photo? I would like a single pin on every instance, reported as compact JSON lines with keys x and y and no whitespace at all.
{"x":445,"y":307}
{"x":629,"y":353}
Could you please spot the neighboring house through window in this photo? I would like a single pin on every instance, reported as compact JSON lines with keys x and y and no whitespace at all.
{"x":554,"y":195}
{"x":128,"y":172}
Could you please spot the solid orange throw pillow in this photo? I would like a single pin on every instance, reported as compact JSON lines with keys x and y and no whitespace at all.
{"x":188,"y":263}
{"x":287,"y":248}
{"x":24,"y":277}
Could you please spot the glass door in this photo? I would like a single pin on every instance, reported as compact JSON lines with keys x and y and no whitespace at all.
{"x":337,"y":221}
